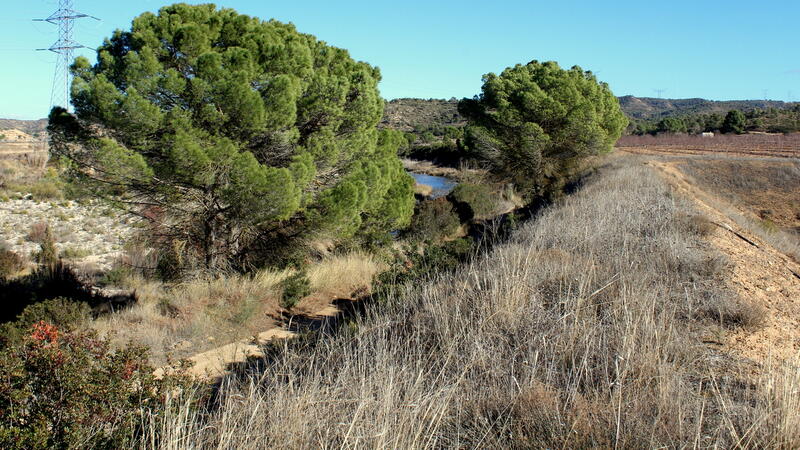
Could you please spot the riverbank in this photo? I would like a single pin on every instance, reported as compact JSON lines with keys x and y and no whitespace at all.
{"x":429,"y":168}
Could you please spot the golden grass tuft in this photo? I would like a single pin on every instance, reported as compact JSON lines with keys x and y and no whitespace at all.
{"x":423,"y":190}
{"x":342,"y":275}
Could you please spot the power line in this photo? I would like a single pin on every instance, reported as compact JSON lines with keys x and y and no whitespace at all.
{"x":64,"y":47}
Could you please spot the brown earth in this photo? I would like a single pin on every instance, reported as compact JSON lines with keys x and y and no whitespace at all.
{"x":760,"y":274}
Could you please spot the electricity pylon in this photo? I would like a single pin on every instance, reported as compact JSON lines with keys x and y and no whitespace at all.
{"x":64,"y":47}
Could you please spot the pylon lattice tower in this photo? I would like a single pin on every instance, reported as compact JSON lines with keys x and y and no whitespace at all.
{"x":64,"y":47}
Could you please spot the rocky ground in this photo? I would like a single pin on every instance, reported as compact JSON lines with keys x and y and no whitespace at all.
{"x":88,"y":234}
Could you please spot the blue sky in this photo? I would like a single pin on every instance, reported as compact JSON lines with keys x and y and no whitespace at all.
{"x":439,"y":49}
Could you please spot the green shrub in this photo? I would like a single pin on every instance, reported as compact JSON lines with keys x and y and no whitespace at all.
{"x":295,"y":287}
{"x":434,"y":259}
{"x":10,"y":263}
{"x":62,"y":389}
{"x":114,"y":277}
{"x":62,"y":312}
{"x":434,"y":220}
{"x":48,"y":187}
{"x":46,"y":282}
{"x":75,"y":252}
{"x":48,"y":254}
{"x":475,"y":200}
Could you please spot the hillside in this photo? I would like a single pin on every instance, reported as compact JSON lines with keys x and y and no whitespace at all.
{"x":412,"y":114}
{"x":415,"y":114}
{"x":28,"y":126}
{"x":651,"y":108}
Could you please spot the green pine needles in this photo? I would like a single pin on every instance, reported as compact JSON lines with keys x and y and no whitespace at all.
{"x":534,"y":123}
{"x":233,"y":135}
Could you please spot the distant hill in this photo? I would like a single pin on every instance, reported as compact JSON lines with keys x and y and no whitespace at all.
{"x":416,"y":114}
{"x":31,"y":127}
{"x":413,"y":114}
{"x":658,"y":108}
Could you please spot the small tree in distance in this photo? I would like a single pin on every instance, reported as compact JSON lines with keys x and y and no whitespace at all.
{"x":534,"y":123}
{"x":235,"y":137}
{"x":734,"y":122}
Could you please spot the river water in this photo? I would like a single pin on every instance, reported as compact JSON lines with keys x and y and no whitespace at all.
{"x":441,"y":185}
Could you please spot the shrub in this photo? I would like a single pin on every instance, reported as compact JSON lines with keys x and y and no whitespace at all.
{"x":38,"y":232}
{"x":10,"y":263}
{"x":62,"y":312}
{"x":63,"y":389}
{"x":474,"y":200}
{"x":114,"y":277}
{"x":46,"y":282}
{"x":434,"y":219}
{"x":48,"y":187}
{"x":700,"y":225}
{"x":75,"y":252}
{"x":48,"y":254}
{"x":295,"y":287}
{"x":732,"y":312}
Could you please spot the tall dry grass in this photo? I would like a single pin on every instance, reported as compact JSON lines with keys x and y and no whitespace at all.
{"x":582,"y":330}
{"x":179,"y":320}
{"x":341,"y":275}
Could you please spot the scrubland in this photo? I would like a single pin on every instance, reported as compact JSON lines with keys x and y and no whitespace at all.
{"x":87,"y":233}
{"x":589,"y":327}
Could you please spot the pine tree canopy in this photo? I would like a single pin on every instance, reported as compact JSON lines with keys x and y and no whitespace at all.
{"x":233,"y":132}
{"x":534,"y":122}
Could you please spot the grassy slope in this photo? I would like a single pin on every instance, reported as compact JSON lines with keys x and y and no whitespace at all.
{"x":583,"y":330}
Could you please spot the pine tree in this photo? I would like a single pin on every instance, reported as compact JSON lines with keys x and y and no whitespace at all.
{"x":734,"y":122}
{"x":533,"y":123}
{"x":232,"y":134}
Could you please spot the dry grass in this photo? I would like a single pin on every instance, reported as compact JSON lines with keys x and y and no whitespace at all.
{"x":423,"y":190}
{"x":579,"y":332}
{"x":186,"y":318}
{"x":769,"y":189}
{"x":342,"y":275}
{"x":180,"y":320}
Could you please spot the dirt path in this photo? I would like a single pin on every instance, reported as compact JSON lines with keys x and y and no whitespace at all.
{"x":760,"y":274}
{"x":213,"y":364}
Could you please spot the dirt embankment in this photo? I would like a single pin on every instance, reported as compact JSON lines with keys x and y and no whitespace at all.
{"x":760,"y":274}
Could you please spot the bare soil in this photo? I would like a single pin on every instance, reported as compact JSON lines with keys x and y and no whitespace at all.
{"x":761,"y":275}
